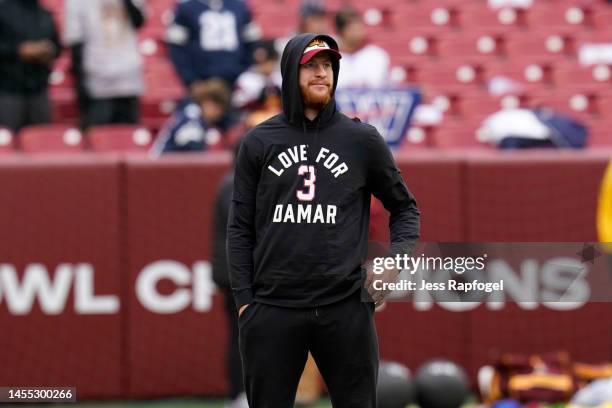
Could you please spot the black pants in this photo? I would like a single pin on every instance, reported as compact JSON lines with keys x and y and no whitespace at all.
{"x":17,"y":111}
{"x":232,"y":357}
{"x":274,"y":344}
{"x":107,"y":111}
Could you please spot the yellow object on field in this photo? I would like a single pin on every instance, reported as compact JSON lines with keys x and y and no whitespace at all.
{"x":604,"y":211}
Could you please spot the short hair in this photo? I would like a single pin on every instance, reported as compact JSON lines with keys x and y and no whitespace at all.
{"x":310,"y":8}
{"x":215,"y":90}
{"x":344,"y":17}
{"x":264,"y":50}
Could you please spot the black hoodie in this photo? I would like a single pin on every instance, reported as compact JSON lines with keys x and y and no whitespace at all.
{"x":298,"y":224}
{"x":20,"y":21}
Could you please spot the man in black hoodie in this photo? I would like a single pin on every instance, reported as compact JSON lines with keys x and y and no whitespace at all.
{"x":297,"y":236}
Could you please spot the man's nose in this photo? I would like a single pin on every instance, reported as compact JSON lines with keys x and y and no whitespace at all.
{"x":320,"y":71}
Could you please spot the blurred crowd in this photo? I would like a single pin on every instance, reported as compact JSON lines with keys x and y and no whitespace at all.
{"x":230,"y":73}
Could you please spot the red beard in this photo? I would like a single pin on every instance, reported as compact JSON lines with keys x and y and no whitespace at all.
{"x":315,"y":100}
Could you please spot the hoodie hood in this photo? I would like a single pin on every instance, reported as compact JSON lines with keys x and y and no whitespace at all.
{"x":293,"y":106}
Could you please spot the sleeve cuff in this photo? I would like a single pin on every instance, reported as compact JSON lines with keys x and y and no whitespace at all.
{"x":243,"y":297}
{"x":403,"y":248}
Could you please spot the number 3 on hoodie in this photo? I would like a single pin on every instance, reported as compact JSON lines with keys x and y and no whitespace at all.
{"x":308,"y":193}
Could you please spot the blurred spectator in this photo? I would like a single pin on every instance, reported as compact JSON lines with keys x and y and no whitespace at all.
{"x":211,"y":39}
{"x":105,"y":58}
{"x":192,"y":127}
{"x":220,"y":275}
{"x":497,"y":4}
{"x":312,"y":19}
{"x":28,"y":46}
{"x":363,"y":65}
{"x":525,"y":128}
{"x":259,"y":88}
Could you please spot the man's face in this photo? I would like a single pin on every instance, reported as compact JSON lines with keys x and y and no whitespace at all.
{"x":316,"y":81}
{"x":315,"y":24}
{"x":268,"y":67}
{"x":354,"y":33}
{"x":212,"y":111}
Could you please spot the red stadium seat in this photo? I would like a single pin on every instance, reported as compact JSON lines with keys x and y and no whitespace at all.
{"x":51,"y":139}
{"x":600,"y":133}
{"x":479,"y":106}
{"x":531,"y":74}
{"x":151,"y":47}
{"x":474,"y":47}
{"x":479,"y":16}
{"x":276,"y":23}
{"x":454,"y":76}
{"x":425,"y":17}
{"x":7,"y":141}
{"x":604,"y":104}
{"x":120,"y":138}
{"x":602,"y":19}
{"x":54,"y":6}
{"x":457,"y":133}
{"x":408,"y":48}
{"x":416,"y":137}
{"x":164,"y":88}
{"x":160,"y":74}
{"x":581,"y":106}
{"x":572,"y":74}
{"x":64,"y":107}
{"x":569,"y":17}
{"x":451,"y":133}
{"x":544,"y":44}
{"x":593,"y":36}
{"x":156,"y":107}
{"x":159,"y":15}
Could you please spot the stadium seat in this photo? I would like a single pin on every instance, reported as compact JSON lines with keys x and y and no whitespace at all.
{"x":425,"y":17}
{"x":604,"y":104}
{"x":276,"y":22}
{"x":569,"y":17}
{"x":7,"y":141}
{"x":159,"y":15}
{"x":51,"y":139}
{"x":478,"y":106}
{"x":577,"y":105}
{"x":164,"y":88}
{"x":64,"y":107}
{"x":151,"y":47}
{"x":572,"y":74}
{"x":417,"y":137}
{"x":529,"y":73}
{"x":159,"y":73}
{"x":54,"y":6}
{"x":156,"y":107}
{"x":600,"y":133}
{"x":602,"y":19}
{"x":457,"y":134}
{"x":119,"y":138}
{"x":472,"y":47}
{"x":543,"y":44}
{"x":593,"y":36}
{"x":480,"y":16}
{"x":454,"y":75}
{"x":408,"y":49}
